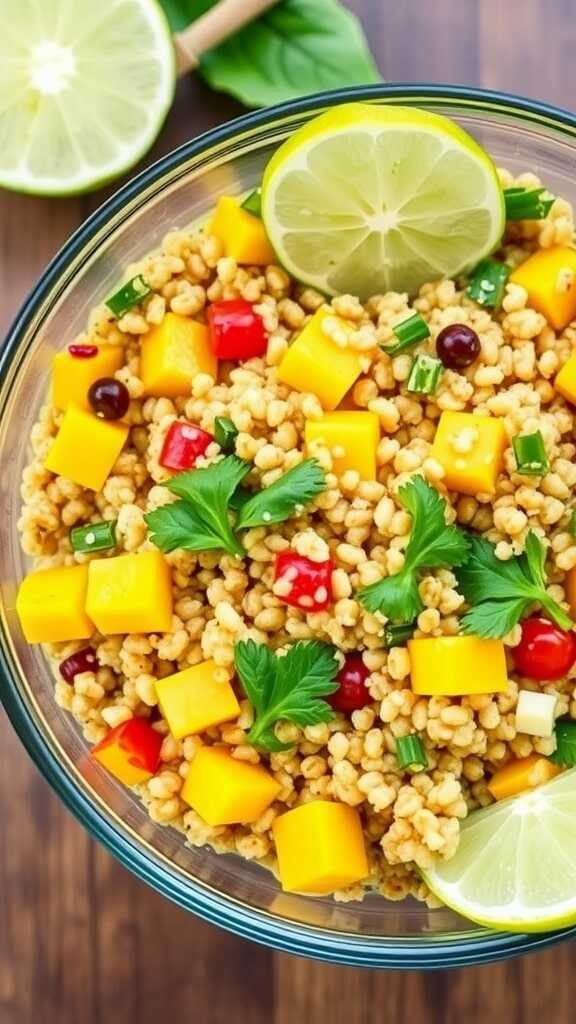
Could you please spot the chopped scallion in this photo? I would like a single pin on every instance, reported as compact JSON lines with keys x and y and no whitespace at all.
{"x":527,"y":203}
{"x":94,"y":537}
{"x":130,"y":294}
{"x":530,"y":453}
{"x":225,"y":433}
{"x":424,"y":375}
{"x":253,"y":203}
{"x":409,"y":332}
{"x":396,"y":636}
{"x":572,"y":523}
{"x":411,"y":754}
{"x":488,"y":283}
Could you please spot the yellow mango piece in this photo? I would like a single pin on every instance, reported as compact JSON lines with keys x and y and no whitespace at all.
{"x":130,"y":593}
{"x":522,"y":774}
{"x":471,"y":450}
{"x":173,"y":354}
{"x":86,"y":448}
{"x":195,"y":699}
{"x":549,"y":277}
{"x":242,"y":234}
{"x":224,"y":791}
{"x":454,"y":666}
{"x":352,"y":438}
{"x":320,"y":848}
{"x":565,"y":382}
{"x":317,"y":364}
{"x":51,"y":603}
{"x":72,"y":376}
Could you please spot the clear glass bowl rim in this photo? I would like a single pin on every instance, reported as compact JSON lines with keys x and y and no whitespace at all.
{"x":478,"y":946}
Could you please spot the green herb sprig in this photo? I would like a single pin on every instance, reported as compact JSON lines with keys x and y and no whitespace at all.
{"x":286,"y":687}
{"x":565,"y":753}
{"x":502,"y":592}
{"x":203,"y":518}
{"x":432,"y":544}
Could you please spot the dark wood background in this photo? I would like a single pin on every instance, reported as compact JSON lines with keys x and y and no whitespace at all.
{"x":81,"y":940}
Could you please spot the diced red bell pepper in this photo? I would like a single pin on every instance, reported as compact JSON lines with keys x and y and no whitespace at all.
{"x":237,"y":332}
{"x":305,"y":584}
{"x":130,"y":752}
{"x":183,"y":444}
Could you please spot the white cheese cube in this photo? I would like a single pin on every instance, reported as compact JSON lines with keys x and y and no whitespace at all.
{"x":535,"y":713}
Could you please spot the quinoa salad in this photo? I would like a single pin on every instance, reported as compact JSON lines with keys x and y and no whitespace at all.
{"x":317,"y":575}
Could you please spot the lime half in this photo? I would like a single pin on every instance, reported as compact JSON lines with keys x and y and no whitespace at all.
{"x":84,"y":89}
{"x":515,"y":868}
{"x":367,"y":199}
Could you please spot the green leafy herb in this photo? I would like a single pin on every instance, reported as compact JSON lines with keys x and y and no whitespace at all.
{"x":284,"y":497}
{"x":502,"y":592}
{"x":200,"y":522}
{"x":294,"y":48}
{"x":565,"y":753}
{"x":286,"y":687}
{"x":527,"y":203}
{"x":432,"y":544}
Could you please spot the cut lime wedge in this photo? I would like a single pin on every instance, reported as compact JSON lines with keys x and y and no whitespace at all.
{"x":84,"y":89}
{"x":515,"y":867}
{"x":367,"y":199}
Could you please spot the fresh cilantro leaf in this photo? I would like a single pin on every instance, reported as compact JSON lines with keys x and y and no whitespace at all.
{"x":502,"y":592}
{"x":432,"y":544}
{"x":299,"y":486}
{"x":286,"y":687}
{"x":201,"y":521}
{"x":565,"y":753}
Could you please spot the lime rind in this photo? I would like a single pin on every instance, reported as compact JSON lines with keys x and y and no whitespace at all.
{"x":85,"y":90}
{"x":515,"y":868}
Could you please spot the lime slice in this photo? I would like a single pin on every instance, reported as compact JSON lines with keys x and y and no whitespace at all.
{"x":515,"y":867}
{"x":84,"y":89}
{"x":365,"y":199}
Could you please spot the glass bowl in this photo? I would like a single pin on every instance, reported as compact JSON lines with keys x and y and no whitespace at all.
{"x":180,"y":188}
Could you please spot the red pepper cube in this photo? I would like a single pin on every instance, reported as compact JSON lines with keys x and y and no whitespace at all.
{"x":302,"y":583}
{"x":183,"y":444}
{"x":236,"y":331}
{"x":130,"y":752}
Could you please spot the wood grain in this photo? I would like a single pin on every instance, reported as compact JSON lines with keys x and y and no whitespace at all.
{"x":83,"y":942}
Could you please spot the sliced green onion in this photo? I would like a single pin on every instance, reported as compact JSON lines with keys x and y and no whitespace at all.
{"x":253,"y":203}
{"x":527,"y":203}
{"x":130,"y":294}
{"x":572,"y":523}
{"x":530,"y":453}
{"x":425,"y":374}
{"x":396,"y":636}
{"x":411,"y":754}
{"x":488,"y":283}
{"x":94,"y":537}
{"x":225,"y":433}
{"x":409,"y":332}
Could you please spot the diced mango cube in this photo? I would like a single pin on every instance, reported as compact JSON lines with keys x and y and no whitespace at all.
{"x":196,"y":698}
{"x":130,"y":751}
{"x":522,"y":774}
{"x":454,"y":666}
{"x":471,"y":451}
{"x":86,"y":448}
{"x":224,"y":791}
{"x":73,"y":376}
{"x":351,"y":437}
{"x":51,"y":605}
{"x":549,"y":277}
{"x":320,"y":848}
{"x":173,"y":354}
{"x":242,"y":234}
{"x":130,"y":593}
{"x":565,"y":382}
{"x":317,"y":364}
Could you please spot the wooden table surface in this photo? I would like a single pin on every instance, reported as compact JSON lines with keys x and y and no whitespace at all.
{"x":81,"y":940}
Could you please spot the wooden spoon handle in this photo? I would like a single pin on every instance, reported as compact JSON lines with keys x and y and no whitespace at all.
{"x":217,"y":24}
